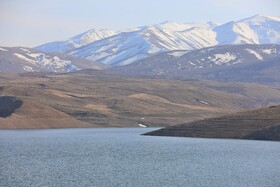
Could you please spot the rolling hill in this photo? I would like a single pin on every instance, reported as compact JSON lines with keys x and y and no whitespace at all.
{"x":260,"y":124}
{"x":91,"y":98}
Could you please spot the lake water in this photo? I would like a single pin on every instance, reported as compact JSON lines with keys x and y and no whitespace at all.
{"x":122,"y":157}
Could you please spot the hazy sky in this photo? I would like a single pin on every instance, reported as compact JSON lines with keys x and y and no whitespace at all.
{"x":33,"y":22}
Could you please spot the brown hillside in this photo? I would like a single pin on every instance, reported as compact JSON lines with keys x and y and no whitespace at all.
{"x":261,"y":124}
{"x":96,"y":99}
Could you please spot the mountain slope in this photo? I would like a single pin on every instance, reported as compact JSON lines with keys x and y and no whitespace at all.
{"x":210,"y":63}
{"x":17,"y":59}
{"x":236,"y":33}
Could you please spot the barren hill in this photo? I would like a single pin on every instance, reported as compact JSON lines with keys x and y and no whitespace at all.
{"x":261,"y":124}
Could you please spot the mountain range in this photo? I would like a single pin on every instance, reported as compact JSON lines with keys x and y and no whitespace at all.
{"x":117,"y":48}
{"x":242,"y":51}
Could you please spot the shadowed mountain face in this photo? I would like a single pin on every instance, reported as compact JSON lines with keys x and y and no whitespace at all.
{"x":93,"y":98}
{"x":232,"y":63}
{"x":261,"y":124}
{"x":8,"y":105}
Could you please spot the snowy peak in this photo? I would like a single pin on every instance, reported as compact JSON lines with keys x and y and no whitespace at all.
{"x":173,"y":26}
{"x":258,"y":29}
{"x":259,"y":18}
{"x":76,"y":41}
{"x":267,"y":28}
{"x":91,"y":36}
{"x":120,"y":49}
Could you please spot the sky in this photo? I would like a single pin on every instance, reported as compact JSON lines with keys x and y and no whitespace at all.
{"x":33,"y":22}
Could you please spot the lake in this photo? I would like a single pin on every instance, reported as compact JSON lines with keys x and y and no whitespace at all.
{"x":122,"y":157}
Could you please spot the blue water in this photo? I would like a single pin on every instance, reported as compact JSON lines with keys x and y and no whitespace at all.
{"x":122,"y":157}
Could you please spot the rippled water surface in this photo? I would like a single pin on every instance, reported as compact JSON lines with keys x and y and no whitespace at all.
{"x":122,"y":157}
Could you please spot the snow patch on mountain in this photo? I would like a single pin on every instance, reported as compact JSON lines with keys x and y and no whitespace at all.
{"x":25,"y":50}
{"x":257,"y":55}
{"x":28,"y":68}
{"x":203,"y":102}
{"x":54,"y":64}
{"x":269,"y":51}
{"x":154,"y":49}
{"x":177,"y":53}
{"x":220,"y":59}
{"x":25,"y":58}
{"x":19,"y":59}
{"x":2,"y":49}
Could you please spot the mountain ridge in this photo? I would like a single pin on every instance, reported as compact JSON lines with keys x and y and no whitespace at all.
{"x":228,"y":63}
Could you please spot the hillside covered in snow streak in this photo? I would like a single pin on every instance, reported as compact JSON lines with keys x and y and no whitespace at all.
{"x":19,"y":59}
{"x":246,"y":62}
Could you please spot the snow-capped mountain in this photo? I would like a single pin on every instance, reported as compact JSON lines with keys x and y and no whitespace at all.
{"x":131,"y":45}
{"x":127,"y":47}
{"x":207,"y":62}
{"x":267,"y":28}
{"x":258,"y":29}
{"x":17,"y":59}
{"x":76,"y":41}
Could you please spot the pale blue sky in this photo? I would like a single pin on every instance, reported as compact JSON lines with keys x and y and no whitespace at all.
{"x":33,"y":22}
